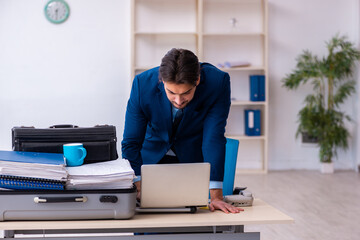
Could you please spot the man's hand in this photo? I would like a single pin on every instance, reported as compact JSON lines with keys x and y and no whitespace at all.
{"x":138,"y":184}
{"x":217,"y":202}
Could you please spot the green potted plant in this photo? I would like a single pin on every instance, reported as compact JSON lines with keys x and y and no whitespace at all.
{"x":331,"y":77}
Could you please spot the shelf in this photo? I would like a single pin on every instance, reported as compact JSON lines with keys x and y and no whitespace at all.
{"x":254,"y":68}
{"x":250,"y":68}
{"x":236,"y":34}
{"x":164,"y":33}
{"x":150,"y":48}
{"x":217,"y":31}
{"x":244,"y":137}
{"x":233,"y":16}
{"x":164,"y":16}
{"x":245,"y":49}
{"x":245,"y":103}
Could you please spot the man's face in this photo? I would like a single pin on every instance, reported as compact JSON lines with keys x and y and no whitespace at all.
{"x":180,"y":94}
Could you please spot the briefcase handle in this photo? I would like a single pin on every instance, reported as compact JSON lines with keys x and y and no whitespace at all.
{"x":64,"y":126}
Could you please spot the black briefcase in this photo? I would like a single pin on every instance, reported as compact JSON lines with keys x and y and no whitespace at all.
{"x":99,"y":141}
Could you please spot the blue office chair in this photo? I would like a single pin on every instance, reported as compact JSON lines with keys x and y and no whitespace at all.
{"x":231,"y":152}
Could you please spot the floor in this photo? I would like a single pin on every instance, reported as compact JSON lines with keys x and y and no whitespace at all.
{"x":323,"y":206}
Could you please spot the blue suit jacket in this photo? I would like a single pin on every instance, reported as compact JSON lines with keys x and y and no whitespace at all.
{"x":200,"y":135}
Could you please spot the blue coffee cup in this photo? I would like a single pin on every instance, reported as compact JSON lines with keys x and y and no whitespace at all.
{"x":74,"y":154}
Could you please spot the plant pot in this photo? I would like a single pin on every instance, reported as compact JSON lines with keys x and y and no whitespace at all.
{"x":327,"y":168}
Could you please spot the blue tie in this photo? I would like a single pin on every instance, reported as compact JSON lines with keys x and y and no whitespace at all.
{"x":177,"y":120}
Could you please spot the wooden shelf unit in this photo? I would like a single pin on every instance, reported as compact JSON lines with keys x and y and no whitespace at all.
{"x":216,"y":31}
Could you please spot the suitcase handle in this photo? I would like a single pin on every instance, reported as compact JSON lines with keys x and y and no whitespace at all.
{"x":64,"y":126}
{"x":59,"y":199}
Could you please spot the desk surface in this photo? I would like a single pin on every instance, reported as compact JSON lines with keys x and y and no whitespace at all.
{"x":259,"y":213}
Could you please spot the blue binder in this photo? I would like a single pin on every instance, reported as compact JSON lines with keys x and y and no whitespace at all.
{"x":252,"y":122}
{"x":18,"y":170}
{"x":254,"y":88}
{"x":25,"y":183}
{"x":257,"y":88}
{"x":33,"y":157}
{"x":261,"y":79}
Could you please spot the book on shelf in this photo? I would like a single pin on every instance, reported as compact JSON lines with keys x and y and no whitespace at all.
{"x":252,"y":122}
{"x":257,"y":87}
{"x":27,"y":183}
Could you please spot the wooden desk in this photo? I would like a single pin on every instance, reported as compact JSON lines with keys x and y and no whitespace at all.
{"x":203,"y":221}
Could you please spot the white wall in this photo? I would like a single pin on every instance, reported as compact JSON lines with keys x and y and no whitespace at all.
{"x":294,"y":26}
{"x":357,"y":140}
{"x":76,"y":72}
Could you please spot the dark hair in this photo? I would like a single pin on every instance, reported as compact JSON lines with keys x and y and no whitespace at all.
{"x":179,"y":66}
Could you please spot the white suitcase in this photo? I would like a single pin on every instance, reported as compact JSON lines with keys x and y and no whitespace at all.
{"x":67,"y":204}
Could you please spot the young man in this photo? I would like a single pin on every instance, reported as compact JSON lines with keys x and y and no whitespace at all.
{"x":177,"y":114}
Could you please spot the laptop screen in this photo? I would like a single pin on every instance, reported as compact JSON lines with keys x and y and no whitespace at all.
{"x":175,"y":185}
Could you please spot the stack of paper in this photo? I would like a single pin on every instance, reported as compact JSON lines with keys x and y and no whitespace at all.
{"x":116,"y":174}
{"x":33,"y":165}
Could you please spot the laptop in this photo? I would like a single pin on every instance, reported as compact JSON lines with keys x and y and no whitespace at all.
{"x":174,"y":187}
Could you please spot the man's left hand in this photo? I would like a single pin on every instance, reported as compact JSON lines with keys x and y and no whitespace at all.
{"x":218,"y":203}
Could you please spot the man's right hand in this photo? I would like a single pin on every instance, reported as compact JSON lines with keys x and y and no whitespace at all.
{"x":138,"y":187}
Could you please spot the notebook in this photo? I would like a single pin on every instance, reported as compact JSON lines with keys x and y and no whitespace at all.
{"x":26,"y":183}
{"x":33,"y":158}
{"x":33,"y":165}
{"x":174,"y":187}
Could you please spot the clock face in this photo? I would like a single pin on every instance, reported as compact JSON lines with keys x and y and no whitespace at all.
{"x":57,"y":11}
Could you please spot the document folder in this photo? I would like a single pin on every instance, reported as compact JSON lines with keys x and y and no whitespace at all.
{"x":33,"y":157}
{"x":257,"y":88}
{"x":252,"y":122}
{"x":33,"y":165}
{"x":24,"y":183}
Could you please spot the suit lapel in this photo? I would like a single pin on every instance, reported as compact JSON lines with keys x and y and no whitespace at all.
{"x":164,"y":111}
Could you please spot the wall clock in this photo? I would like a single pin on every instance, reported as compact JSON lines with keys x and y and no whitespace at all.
{"x":57,"y":11}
